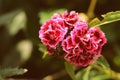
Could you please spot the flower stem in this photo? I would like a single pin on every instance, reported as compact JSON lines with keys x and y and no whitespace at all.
{"x":90,"y":12}
{"x":111,"y":73}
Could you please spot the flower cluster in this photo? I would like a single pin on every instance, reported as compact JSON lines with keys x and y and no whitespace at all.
{"x":81,"y":44}
{"x":53,"y":31}
{"x":84,"y":45}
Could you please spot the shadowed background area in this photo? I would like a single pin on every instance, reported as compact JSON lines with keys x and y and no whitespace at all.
{"x":20,"y":21}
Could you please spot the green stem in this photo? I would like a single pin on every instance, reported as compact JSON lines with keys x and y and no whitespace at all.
{"x":90,"y":12}
{"x":113,"y":74}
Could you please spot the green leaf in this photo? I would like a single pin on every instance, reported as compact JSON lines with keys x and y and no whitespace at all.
{"x":98,"y":75}
{"x":91,"y":73}
{"x":87,"y":73}
{"x":7,"y":72}
{"x":25,"y":48}
{"x":42,"y":48}
{"x":70,"y":71}
{"x":108,"y":18}
{"x":94,"y":21}
{"x":6,"y":18}
{"x":102,"y":62}
{"x":45,"y":15}
{"x":83,"y":74}
{"x":17,"y":23}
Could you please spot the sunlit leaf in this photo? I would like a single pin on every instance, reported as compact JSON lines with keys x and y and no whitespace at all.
{"x":70,"y":71}
{"x":83,"y":74}
{"x":17,"y":23}
{"x":87,"y":73}
{"x":45,"y":15}
{"x":98,"y":75}
{"x":94,"y":21}
{"x":103,"y":62}
{"x":25,"y":48}
{"x":7,"y":72}
{"x":6,"y":18}
{"x":108,"y":18}
{"x":42,"y":48}
{"x":91,"y":73}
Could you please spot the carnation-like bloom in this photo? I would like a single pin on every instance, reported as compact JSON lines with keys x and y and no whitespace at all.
{"x":70,"y":18}
{"x":52,"y":32}
{"x":57,"y":15}
{"x":84,"y":45}
{"x":81,"y":44}
{"x":98,"y":36}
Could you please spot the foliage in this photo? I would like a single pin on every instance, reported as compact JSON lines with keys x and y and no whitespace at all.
{"x":17,"y":23}
{"x":70,"y":71}
{"x":107,"y":18}
{"x":96,"y":71}
{"x":101,"y":65}
{"x":102,"y":62}
{"x":6,"y":18}
{"x":7,"y":72}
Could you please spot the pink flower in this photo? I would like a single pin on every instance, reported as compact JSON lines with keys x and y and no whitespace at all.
{"x":79,"y":31}
{"x":84,"y":45}
{"x":52,"y":32}
{"x":98,"y":36}
{"x":82,"y":59}
{"x":57,"y":15}
{"x":81,"y":44}
{"x":67,"y":45}
{"x":70,"y":19}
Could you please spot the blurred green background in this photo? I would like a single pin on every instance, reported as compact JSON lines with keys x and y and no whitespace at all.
{"x":19,"y":42}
